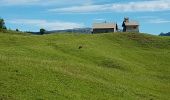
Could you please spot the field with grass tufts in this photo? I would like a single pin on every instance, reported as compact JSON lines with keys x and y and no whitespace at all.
{"x":114,"y":66}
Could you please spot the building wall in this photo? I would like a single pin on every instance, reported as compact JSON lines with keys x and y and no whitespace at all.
{"x":132,"y":28}
{"x":103,"y":30}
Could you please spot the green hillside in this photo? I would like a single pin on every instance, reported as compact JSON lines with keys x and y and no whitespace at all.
{"x":114,"y":66}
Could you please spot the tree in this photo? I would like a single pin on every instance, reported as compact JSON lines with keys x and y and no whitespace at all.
{"x":17,"y":30}
{"x":117,"y":27}
{"x":42,"y":31}
{"x":2,"y":24}
{"x":124,"y":26}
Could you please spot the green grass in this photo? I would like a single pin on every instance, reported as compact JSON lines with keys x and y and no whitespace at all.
{"x":114,"y":66}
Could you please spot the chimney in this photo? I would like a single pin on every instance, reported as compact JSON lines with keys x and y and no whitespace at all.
{"x":126,"y":19}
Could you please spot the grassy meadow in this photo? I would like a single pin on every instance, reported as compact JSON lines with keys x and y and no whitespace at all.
{"x":112,"y":66}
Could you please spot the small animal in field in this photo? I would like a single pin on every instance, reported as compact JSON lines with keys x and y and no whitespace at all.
{"x":80,"y":47}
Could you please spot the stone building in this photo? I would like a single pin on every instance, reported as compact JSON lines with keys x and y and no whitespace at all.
{"x":130,"y":26}
{"x":104,"y":27}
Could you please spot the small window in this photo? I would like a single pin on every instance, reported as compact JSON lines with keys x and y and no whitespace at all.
{"x":135,"y":27}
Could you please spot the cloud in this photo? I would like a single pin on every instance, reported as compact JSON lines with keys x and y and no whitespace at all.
{"x":18,"y":2}
{"x":99,"y":19}
{"x":153,"y":19}
{"x":146,"y":17}
{"x":82,"y":9}
{"x":49,"y":25}
{"x":139,"y":6}
{"x":43,"y":2}
{"x":158,"y":21}
{"x":93,"y":6}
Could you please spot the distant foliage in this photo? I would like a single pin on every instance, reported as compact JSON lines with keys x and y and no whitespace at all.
{"x":42,"y":31}
{"x":2,"y":24}
{"x":164,"y":34}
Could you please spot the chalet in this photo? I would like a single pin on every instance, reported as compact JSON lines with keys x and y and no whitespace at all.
{"x":130,"y":26}
{"x":104,"y":27}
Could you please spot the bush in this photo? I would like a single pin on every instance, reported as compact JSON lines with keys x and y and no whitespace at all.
{"x":42,"y":31}
{"x":2,"y":24}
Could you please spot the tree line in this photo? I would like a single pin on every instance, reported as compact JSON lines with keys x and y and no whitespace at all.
{"x":164,"y":34}
{"x":3,"y":27}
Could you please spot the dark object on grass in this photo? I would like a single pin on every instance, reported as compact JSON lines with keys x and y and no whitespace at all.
{"x":80,"y":47}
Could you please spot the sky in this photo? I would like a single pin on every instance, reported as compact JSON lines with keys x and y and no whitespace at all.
{"x":31,"y":15}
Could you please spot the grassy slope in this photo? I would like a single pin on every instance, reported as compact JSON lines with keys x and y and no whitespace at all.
{"x":109,"y":66}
